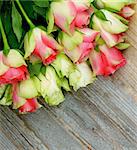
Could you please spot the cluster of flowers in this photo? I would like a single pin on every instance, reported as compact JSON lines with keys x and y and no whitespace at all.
{"x":90,"y":38}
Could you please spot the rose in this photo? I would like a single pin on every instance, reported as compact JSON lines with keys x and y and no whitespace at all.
{"x":24,"y":96}
{"x":38,"y":43}
{"x":127,"y":12}
{"x":78,"y":46}
{"x":13,"y":67}
{"x":107,"y":60}
{"x":69,"y":14}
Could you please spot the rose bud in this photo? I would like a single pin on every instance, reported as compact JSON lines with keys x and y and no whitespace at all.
{"x":111,"y":39}
{"x":13,"y":67}
{"x":78,"y":46}
{"x":63,"y":65}
{"x":49,"y":86}
{"x":107,"y":60}
{"x":69,"y":14}
{"x":38,"y":43}
{"x":24,"y":96}
{"x":81,"y":76}
{"x":127,"y":12}
{"x":112,"y":22}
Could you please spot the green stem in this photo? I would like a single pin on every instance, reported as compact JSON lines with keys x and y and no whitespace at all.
{"x":25,"y":15}
{"x":94,"y":8}
{"x":6,"y":45}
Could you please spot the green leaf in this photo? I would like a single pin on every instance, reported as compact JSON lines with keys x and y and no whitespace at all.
{"x":7,"y":22}
{"x":91,"y":21}
{"x":41,"y":3}
{"x":97,"y":48}
{"x":34,"y":69}
{"x":122,"y":46}
{"x":28,"y":7}
{"x":40,"y":11}
{"x":50,"y":20}
{"x":2,"y":90}
{"x":16,"y":22}
{"x":101,"y":15}
{"x":95,"y":4}
{"x":43,"y":70}
{"x":7,"y":97}
{"x":1,"y":2}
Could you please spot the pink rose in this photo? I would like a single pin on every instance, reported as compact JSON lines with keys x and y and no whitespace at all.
{"x":69,"y":14}
{"x":12,"y":68}
{"x":111,"y":39}
{"x":14,"y":75}
{"x":38,"y":43}
{"x":127,"y":12}
{"x":107,"y":60}
{"x":31,"y":105}
{"x":79,"y":45}
{"x":24,"y":96}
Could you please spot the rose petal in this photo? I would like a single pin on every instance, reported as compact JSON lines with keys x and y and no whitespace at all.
{"x":14,"y":75}
{"x":82,"y":19}
{"x":89,"y":34}
{"x":31,"y":105}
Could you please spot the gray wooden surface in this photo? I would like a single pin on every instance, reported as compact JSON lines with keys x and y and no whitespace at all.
{"x":102,"y":116}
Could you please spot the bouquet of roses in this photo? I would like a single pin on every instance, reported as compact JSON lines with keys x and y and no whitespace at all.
{"x":76,"y":41}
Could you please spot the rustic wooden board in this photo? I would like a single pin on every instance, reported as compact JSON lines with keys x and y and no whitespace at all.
{"x":102,"y":116}
{"x":14,"y":135}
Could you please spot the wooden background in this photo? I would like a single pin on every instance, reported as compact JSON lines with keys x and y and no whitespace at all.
{"x":102,"y":116}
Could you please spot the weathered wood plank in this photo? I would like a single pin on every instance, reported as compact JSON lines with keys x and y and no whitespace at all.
{"x":5,"y":143}
{"x":14,"y":134}
{"x":87,"y":122}
{"x":116,"y":105}
{"x":49,"y":130}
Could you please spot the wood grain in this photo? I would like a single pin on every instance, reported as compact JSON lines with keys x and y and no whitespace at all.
{"x":15,"y":131}
{"x":102,"y":116}
{"x":51,"y":132}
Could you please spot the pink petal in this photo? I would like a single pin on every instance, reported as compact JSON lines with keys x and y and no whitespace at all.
{"x":80,"y":53}
{"x":89,"y":34}
{"x":42,"y":49}
{"x":109,"y":70}
{"x":63,"y":20}
{"x":114,"y":56}
{"x":46,"y":54}
{"x":50,"y":41}
{"x":1,"y":56}
{"x":51,"y":58}
{"x":72,"y":26}
{"x":98,"y":62}
{"x":127,"y":12}
{"x":82,"y":19}
{"x":111,"y":39}
{"x":81,"y":5}
{"x":85,"y":49}
{"x":14,"y":75}
{"x":31,"y":105}
{"x":14,"y":89}
{"x":107,"y":61}
{"x":17,"y":101}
